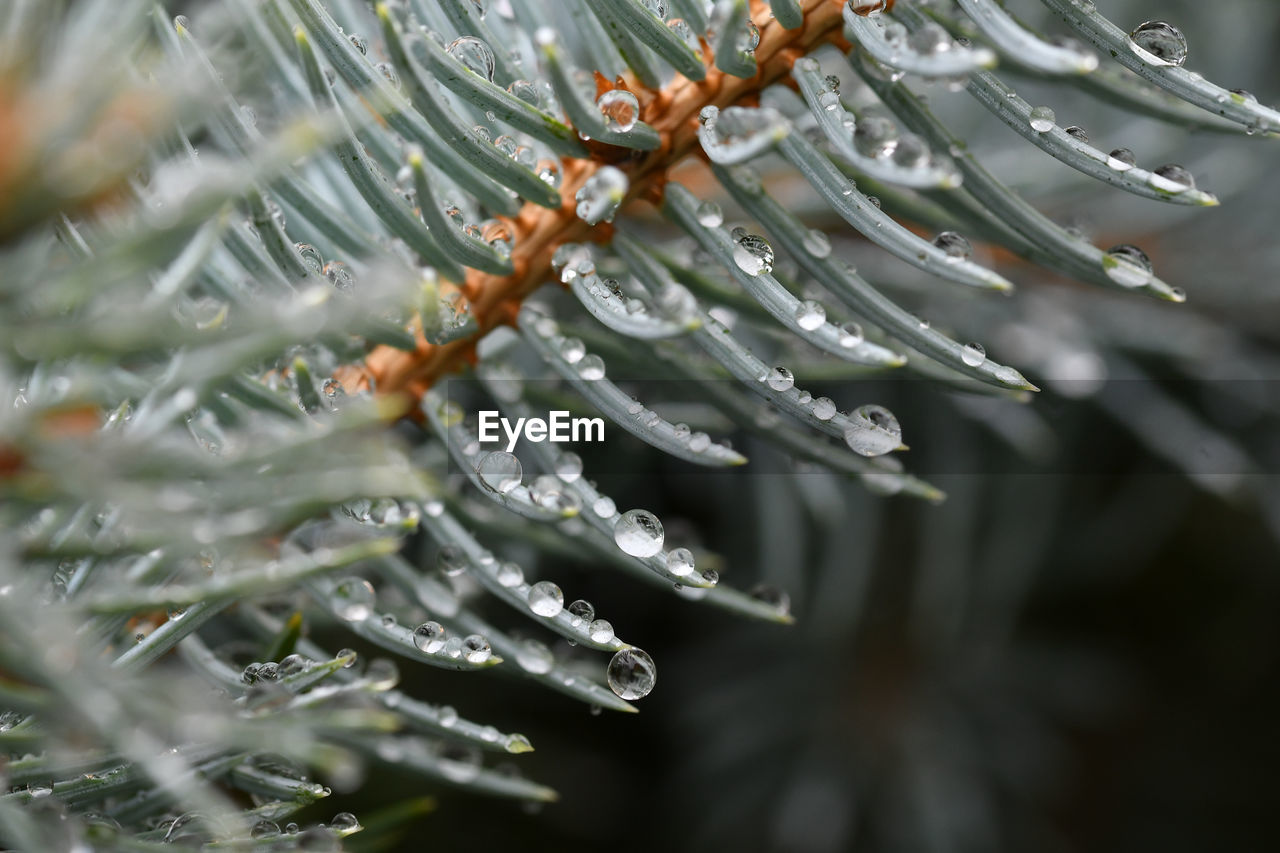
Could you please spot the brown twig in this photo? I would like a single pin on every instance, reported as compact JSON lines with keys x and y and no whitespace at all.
{"x":538,"y":231}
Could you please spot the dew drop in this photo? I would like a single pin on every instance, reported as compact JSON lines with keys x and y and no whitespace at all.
{"x":353,"y":599}
{"x":772,"y":596}
{"x":753,"y":254}
{"x":872,"y":431}
{"x":780,"y":379}
{"x":1121,"y":159}
{"x":620,"y":108}
{"x":545,"y":599}
{"x":499,"y":471}
{"x":810,"y":315}
{"x":429,"y":637}
{"x":1077,"y":132}
{"x":582,"y":611}
{"x":1042,"y":119}
{"x":875,"y":136}
{"x":1127,"y":266}
{"x":474,"y":54}
{"x":632,"y":674}
{"x":973,"y":354}
{"x":817,"y":243}
{"x":476,"y":649}
{"x":525,"y":91}
{"x":591,"y":367}
{"x":823,"y":408}
{"x":639,"y":533}
{"x":604,"y":507}
{"x":850,"y":335}
{"x":1159,"y":43}
{"x":599,"y":198}
{"x":601,"y":631}
{"x":509,"y":575}
{"x":709,"y":214}
{"x":568,"y":467}
{"x":680,"y":562}
{"x":956,"y":247}
{"x":911,"y":152}
{"x":535,"y":657}
{"x":1172,"y":178}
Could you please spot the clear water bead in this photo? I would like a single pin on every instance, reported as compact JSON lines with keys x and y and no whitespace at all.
{"x":1172,"y":178}
{"x":955,"y":245}
{"x":476,"y":649}
{"x":1076,"y":132}
{"x":823,"y":408}
{"x":604,"y":507}
{"x":1159,"y":43}
{"x":591,"y":367}
{"x":680,"y":562}
{"x":872,"y":431}
{"x":709,"y":214}
{"x":780,"y":379}
{"x":499,"y":471}
{"x":601,"y":195}
{"x":875,"y":136}
{"x":509,"y":575}
{"x":639,"y":533}
{"x":1122,"y":160}
{"x":1127,"y":266}
{"x":620,"y":108}
{"x":353,"y":599}
{"x":601,"y":631}
{"x":632,"y":674}
{"x":429,"y":637}
{"x":973,"y":354}
{"x":1042,"y":119}
{"x":474,"y":55}
{"x":535,"y":657}
{"x":545,"y":599}
{"x":850,"y":335}
{"x":452,"y":560}
{"x":753,"y":254}
{"x":817,"y":243}
{"x":772,"y":596}
{"x":568,"y":467}
{"x":582,"y":611}
{"x":748,"y":39}
{"x":810,"y":315}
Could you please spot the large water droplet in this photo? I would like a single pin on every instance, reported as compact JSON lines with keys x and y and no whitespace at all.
{"x":1076,"y":132}
{"x":429,"y":636}
{"x":780,"y":379}
{"x":353,"y":599}
{"x":872,"y":431}
{"x":1042,"y":119}
{"x":499,"y":471}
{"x":1127,"y":266}
{"x":973,"y":354}
{"x":620,"y":108}
{"x":850,"y":335}
{"x":823,"y":408}
{"x":1171,"y":178}
{"x":753,"y":254}
{"x":582,"y":612}
{"x":680,"y":562}
{"x":956,"y":246}
{"x":476,"y":649}
{"x":639,"y":533}
{"x":875,"y":136}
{"x":509,"y":574}
{"x":474,"y":54}
{"x":1121,"y":159}
{"x":1159,"y":43}
{"x":545,"y":598}
{"x":591,"y":367}
{"x":632,"y":674}
{"x":810,"y":315}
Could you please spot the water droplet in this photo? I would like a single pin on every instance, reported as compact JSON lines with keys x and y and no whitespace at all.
{"x":476,"y":649}
{"x":509,"y":574}
{"x":823,"y":408}
{"x":780,"y":379}
{"x":817,"y":243}
{"x":344,"y":822}
{"x":604,"y":507}
{"x":772,"y":596}
{"x":525,"y":91}
{"x":956,"y":246}
{"x":352,"y":599}
{"x":350,"y":655}
{"x":549,"y":173}
{"x":875,"y":136}
{"x":499,"y":471}
{"x":382,"y":674}
{"x":872,"y":431}
{"x":632,"y":674}
{"x":973,"y":354}
{"x":620,"y":108}
{"x":591,"y":367}
{"x":447,"y":716}
{"x":601,"y":195}
{"x":850,"y":335}
{"x":810,"y":315}
{"x":429,"y":636}
{"x":535,"y":657}
{"x":340,"y":276}
{"x":1172,"y":178}
{"x":545,"y":598}
{"x":1121,"y":159}
{"x":360,"y":44}
{"x":753,"y":254}
{"x":911,"y":152}
{"x":680,"y":562}
{"x":930,"y":38}
{"x":1127,"y":266}
{"x":601,"y":631}
{"x":748,"y":39}
{"x":1077,"y":132}
{"x":474,"y":54}
{"x":310,"y":256}
{"x":1159,"y":43}
{"x":582,"y":611}
{"x":639,"y":533}
{"x":568,"y":467}
{"x":1042,"y":119}
{"x":710,"y":215}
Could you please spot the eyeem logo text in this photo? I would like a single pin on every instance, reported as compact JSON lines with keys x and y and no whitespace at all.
{"x":557,"y":428}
